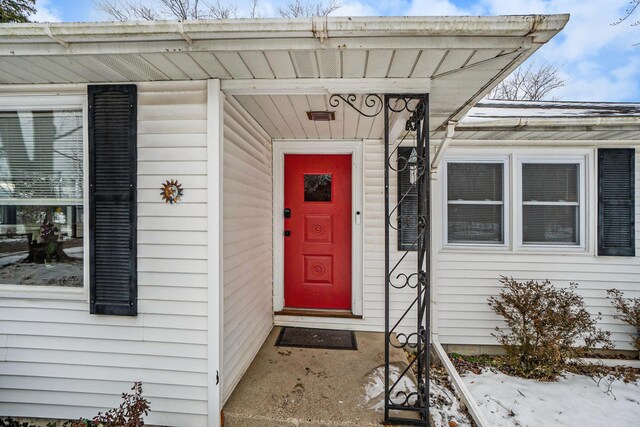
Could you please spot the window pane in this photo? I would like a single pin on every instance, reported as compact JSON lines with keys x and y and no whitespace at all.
{"x":550,"y":224}
{"x":41,"y":191}
{"x":475,"y":223}
{"x":41,"y":155}
{"x":475,"y":181}
{"x":41,"y":245}
{"x":317,"y":188}
{"x":550,"y":182}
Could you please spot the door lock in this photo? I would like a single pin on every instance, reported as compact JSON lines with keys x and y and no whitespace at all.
{"x":287,"y":233}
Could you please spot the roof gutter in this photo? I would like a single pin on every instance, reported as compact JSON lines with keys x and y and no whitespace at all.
{"x":34,"y":38}
{"x":543,"y":124}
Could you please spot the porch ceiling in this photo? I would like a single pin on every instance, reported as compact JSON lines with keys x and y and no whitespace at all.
{"x":461,"y":57}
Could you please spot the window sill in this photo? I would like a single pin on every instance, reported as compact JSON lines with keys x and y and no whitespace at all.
{"x":553,"y":249}
{"x":42,"y":292}
{"x":475,"y":247}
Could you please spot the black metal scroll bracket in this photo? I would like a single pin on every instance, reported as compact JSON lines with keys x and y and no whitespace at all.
{"x":372,"y":102}
{"x":405,"y":407}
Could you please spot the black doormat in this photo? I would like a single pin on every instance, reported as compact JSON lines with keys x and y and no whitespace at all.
{"x":317,"y":338}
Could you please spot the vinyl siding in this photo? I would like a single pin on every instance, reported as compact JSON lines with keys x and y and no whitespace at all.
{"x":465,"y":278}
{"x":462,"y":280}
{"x":247,"y":242}
{"x":58,"y":361}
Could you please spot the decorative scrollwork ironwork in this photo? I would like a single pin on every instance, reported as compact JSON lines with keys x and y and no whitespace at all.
{"x":372,"y":101}
{"x":409,"y":327}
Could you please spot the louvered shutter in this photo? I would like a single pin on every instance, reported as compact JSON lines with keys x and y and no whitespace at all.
{"x":616,"y":202}
{"x":408,"y":208}
{"x":112,"y":193}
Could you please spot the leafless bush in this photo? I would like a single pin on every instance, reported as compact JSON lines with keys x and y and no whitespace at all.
{"x":130,"y":413}
{"x":547,"y":326}
{"x":628,"y":311}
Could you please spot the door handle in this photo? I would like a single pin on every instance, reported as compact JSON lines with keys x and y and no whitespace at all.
{"x":358,"y":217}
{"x":287,"y":213}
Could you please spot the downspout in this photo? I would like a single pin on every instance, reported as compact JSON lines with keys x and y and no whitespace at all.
{"x":465,"y":395}
{"x":444,"y":144}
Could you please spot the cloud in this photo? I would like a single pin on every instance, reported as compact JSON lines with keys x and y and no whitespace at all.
{"x":435,"y":8}
{"x":355,"y":8}
{"x":45,"y":12}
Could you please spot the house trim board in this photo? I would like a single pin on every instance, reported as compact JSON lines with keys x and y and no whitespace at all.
{"x":215,"y":146}
{"x":353,"y":147}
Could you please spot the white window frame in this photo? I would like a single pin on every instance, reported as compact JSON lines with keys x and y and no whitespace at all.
{"x":583,"y":163}
{"x":506,"y":201}
{"x":55,"y":102}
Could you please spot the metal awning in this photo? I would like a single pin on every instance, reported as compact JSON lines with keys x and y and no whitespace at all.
{"x":456,"y":59}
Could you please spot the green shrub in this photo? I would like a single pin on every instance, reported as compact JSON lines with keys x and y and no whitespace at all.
{"x":628,"y":311}
{"x":547,"y":326}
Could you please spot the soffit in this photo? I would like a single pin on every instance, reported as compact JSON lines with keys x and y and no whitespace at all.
{"x":463,"y":57}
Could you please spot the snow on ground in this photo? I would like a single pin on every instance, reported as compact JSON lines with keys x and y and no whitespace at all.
{"x":576,"y":400}
{"x":445,"y":405}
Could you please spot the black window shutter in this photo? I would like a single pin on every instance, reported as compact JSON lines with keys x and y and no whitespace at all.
{"x":616,"y":202}
{"x":112,"y":199}
{"x":408,"y":209}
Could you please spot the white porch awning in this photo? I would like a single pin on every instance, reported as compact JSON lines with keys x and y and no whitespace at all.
{"x":276,"y":66}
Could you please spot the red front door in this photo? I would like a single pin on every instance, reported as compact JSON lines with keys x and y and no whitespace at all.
{"x":317,"y":241}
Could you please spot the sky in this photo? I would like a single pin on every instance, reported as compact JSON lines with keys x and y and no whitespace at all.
{"x":598,"y":61}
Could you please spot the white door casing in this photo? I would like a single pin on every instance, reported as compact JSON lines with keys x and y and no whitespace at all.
{"x":353,"y":147}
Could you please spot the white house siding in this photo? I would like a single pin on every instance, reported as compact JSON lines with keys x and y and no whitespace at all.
{"x":373,"y":277}
{"x":466,"y":278}
{"x":247,"y":242}
{"x":57,"y":360}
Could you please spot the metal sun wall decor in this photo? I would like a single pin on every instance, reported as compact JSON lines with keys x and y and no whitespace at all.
{"x":171,"y":191}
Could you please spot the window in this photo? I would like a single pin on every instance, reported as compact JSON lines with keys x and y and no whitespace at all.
{"x":317,"y":188}
{"x":552,"y":213}
{"x":475,"y":202}
{"x":41,"y":198}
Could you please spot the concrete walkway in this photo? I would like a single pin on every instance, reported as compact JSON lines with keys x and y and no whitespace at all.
{"x":287,"y":386}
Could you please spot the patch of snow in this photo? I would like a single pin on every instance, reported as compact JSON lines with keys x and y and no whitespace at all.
{"x":374,"y":388}
{"x":575,"y":400}
{"x":445,"y":406}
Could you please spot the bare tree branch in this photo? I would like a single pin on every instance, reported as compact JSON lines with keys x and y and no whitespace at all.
{"x":630,"y":10}
{"x":126,"y":10}
{"x":220,"y":10}
{"x":531,"y":83}
{"x":301,"y":9}
{"x":254,"y":12}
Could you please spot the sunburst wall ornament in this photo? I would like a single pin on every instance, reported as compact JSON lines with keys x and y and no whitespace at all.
{"x":171,"y":191}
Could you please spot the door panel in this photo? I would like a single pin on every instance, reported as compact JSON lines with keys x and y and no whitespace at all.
{"x":317,"y":245}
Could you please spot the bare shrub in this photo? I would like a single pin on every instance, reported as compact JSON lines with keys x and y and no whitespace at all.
{"x":628,"y":311}
{"x":130,"y":413}
{"x":547,"y":326}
